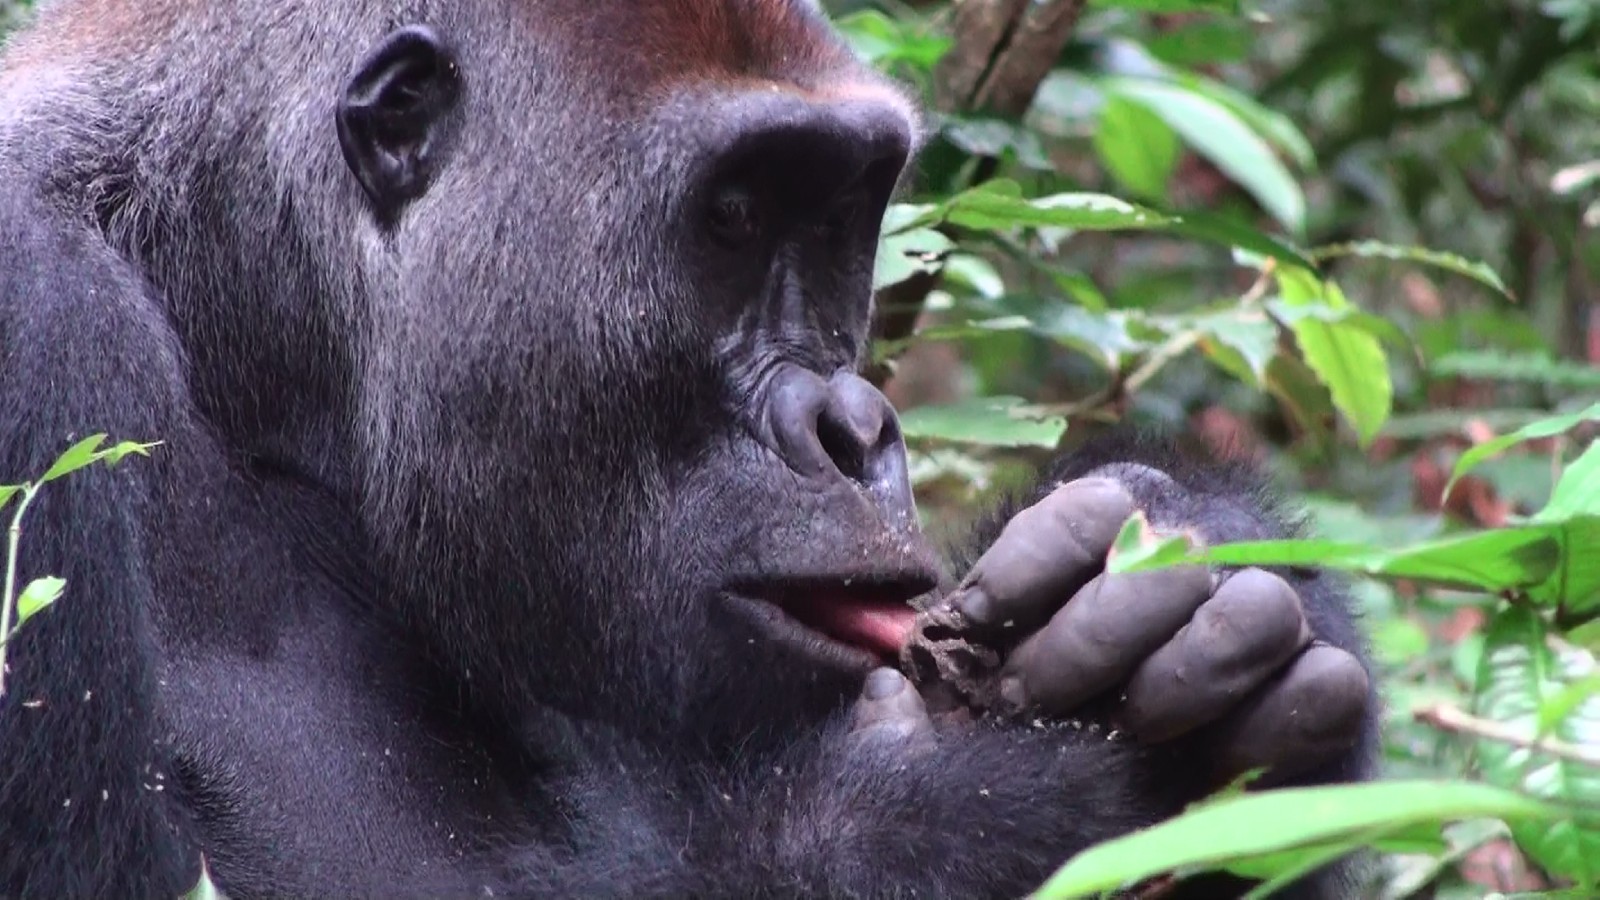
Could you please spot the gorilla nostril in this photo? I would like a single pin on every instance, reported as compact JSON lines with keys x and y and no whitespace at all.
{"x":732,"y":216}
{"x":848,"y":452}
{"x":857,"y":427}
{"x":839,"y":427}
{"x":847,"y":208}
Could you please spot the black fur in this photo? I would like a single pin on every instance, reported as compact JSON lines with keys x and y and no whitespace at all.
{"x":420,"y":595}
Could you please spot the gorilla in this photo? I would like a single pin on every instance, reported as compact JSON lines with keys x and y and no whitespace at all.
{"x":522,"y":527}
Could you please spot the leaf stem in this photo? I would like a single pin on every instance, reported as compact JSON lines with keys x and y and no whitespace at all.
{"x":8,"y":600}
{"x":1448,"y":718}
{"x":1173,"y":348}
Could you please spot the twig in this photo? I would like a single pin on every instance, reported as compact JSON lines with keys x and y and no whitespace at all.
{"x":8,"y":600}
{"x":1173,"y":348}
{"x":1258,"y":289}
{"x":1448,"y":718}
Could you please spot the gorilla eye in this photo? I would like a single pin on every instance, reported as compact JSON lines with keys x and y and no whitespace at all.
{"x":732,"y":216}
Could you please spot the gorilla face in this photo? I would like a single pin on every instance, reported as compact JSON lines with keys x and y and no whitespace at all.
{"x":652,"y":315}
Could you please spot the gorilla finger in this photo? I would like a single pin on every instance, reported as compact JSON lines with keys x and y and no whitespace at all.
{"x":1101,"y":636}
{"x":1307,"y":718}
{"x":1237,"y":640}
{"x":1044,"y":553}
{"x":890,"y":709}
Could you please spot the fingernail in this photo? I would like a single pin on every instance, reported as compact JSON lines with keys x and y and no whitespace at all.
{"x":976,"y":606}
{"x":883,"y":684}
{"x":1013,"y":693}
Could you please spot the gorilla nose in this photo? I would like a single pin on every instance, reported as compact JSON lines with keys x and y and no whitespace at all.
{"x":842,"y":427}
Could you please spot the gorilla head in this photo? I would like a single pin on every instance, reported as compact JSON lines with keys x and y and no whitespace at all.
{"x":615,"y":281}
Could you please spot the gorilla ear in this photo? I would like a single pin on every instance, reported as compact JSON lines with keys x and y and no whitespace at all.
{"x":391,"y":118}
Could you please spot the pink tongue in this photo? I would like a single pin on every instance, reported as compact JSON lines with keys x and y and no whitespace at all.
{"x":881,"y":627}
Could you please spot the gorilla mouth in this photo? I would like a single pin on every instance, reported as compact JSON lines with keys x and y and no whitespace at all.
{"x":870,"y":617}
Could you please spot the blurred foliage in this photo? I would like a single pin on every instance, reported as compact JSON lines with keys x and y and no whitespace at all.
{"x":1355,"y":242}
{"x":12,"y":13}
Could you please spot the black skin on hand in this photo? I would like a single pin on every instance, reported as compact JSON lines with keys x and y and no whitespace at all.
{"x":1229,"y":655}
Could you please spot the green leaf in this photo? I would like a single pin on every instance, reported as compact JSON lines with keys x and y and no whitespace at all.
{"x":906,"y":216}
{"x":40,"y":593}
{"x":1000,"y":139}
{"x":1345,"y":357}
{"x":1265,"y":121}
{"x":1351,"y":363}
{"x":1202,"y":42}
{"x":1138,"y":546}
{"x":991,"y":421}
{"x":998,"y":205}
{"x":1502,"y":560}
{"x":1251,"y":338}
{"x":1240,"y":827}
{"x":1541,"y":429}
{"x":953,"y":331}
{"x":1341,"y":314}
{"x":1494,"y":365}
{"x":1578,"y":491}
{"x":1219,"y":229}
{"x":74,"y":458}
{"x":1574,"y":585}
{"x":1575,"y":178}
{"x":975,"y":273}
{"x":1218,"y":134}
{"x":114,"y":455}
{"x":1460,"y":265}
{"x":1519,"y":674}
{"x":1566,"y":702}
{"x":882,"y":41}
{"x":908,"y":253}
{"x":1136,"y":147}
{"x":7,"y":491}
{"x":1105,"y":337}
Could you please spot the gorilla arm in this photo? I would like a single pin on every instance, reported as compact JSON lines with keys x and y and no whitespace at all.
{"x":82,"y":349}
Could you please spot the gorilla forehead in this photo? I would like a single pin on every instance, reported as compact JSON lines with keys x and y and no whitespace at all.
{"x":633,"y":43}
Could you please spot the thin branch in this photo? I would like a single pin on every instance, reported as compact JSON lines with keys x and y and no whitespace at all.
{"x":1170,"y":350}
{"x":1448,"y":718}
{"x":8,"y":593}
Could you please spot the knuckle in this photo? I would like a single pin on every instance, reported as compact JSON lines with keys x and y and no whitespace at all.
{"x":1339,"y":684}
{"x":1327,"y":693}
{"x":1086,"y":514}
{"x":1254,"y":609}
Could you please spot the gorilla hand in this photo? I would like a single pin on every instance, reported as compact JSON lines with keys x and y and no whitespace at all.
{"x":890,"y":711}
{"x":1226,"y":659}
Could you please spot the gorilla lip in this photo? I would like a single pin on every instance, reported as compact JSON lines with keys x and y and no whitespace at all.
{"x":872,"y":616}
